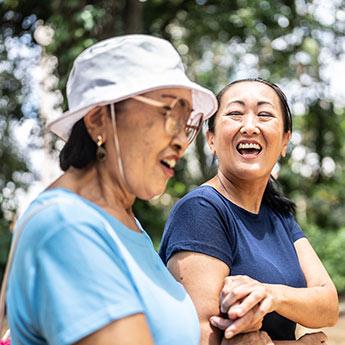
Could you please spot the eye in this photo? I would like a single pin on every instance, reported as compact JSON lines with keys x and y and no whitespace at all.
{"x":234,"y":113}
{"x":265,"y":114}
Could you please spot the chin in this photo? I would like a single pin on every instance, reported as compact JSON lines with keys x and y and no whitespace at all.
{"x":252,"y":173}
{"x":152,"y":193}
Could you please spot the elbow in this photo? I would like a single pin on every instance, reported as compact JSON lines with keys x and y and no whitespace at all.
{"x":333,"y":311}
{"x":331,"y":322}
{"x":333,"y":316}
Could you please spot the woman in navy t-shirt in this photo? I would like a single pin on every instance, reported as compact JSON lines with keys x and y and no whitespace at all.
{"x":238,"y":227}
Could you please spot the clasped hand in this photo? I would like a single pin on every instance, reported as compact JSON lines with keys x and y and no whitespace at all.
{"x":245,"y":301}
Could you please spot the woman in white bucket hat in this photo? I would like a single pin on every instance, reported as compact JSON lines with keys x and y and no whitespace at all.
{"x":84,"y":270}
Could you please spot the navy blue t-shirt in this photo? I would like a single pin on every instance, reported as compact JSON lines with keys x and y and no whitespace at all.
{"x":260,"y":246}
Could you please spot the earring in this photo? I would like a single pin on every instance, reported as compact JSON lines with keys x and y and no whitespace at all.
{"x":101,"y":153}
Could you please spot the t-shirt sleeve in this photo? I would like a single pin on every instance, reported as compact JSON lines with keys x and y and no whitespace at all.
{"x":295,"y":230}
{"x":81,"y":285}
{"x":199,"y":225}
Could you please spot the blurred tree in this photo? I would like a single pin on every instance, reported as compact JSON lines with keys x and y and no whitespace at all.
{"x":13,"y":167}
{"x":285,"y":41}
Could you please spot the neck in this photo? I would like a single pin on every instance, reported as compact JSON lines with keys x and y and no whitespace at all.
{"x":96,"y":185}
{"x":244,"y":193}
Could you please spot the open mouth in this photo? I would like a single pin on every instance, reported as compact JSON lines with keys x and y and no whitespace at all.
{"x":245,"y":148}
{"x":169,"y":163}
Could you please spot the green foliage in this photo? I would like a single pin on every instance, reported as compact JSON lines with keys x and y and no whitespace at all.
{"x":5,"y":240}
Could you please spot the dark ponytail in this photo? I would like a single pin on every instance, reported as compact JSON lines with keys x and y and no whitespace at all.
{"x":273,"y":196}
{"x":79,"y":150}
{"x":276,"y":200}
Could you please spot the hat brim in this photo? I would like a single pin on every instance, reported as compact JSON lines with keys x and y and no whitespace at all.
{"x":204,"y":102}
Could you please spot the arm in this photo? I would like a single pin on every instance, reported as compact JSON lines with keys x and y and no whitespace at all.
{"x":318,"y":300}
{"x":131,"y":330}
{"x":203,"y":277}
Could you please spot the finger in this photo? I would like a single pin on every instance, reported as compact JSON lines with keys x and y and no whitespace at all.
{"x":232,"y":282}
{"x":232,"y":316}
{"x":240,"y":325}
{"x":266,"y":305}
{"x":261,"y":310}
{"x":249,"y":302}
{"x":234,"y":296}
{"x":220,"y":322}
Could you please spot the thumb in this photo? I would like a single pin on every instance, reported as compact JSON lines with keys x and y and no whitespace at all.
{"x":220,"y":322}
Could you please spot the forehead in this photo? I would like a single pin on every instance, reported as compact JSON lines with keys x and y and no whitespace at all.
{"x":175,"y":92}
{"x":247,"y":91}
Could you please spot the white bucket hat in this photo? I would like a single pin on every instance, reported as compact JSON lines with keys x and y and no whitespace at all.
{"x":122,"y":67}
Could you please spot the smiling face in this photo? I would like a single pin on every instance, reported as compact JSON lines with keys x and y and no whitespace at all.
{"x":148,"y":150}
{"x":249,"y":136}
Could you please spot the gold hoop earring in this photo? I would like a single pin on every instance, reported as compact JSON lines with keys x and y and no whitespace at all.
{"x":101,"y":153}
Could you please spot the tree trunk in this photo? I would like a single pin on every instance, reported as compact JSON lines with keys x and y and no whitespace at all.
{"x":133,"y":17}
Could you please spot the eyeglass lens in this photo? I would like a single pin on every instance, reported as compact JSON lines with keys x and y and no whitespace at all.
{"x":179,"y":118}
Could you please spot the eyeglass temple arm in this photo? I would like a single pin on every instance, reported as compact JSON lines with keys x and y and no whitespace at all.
{"x":150,"y":101}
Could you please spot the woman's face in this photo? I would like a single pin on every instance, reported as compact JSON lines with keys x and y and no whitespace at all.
{"x":148,"y":151}
{"x":249,"y":131}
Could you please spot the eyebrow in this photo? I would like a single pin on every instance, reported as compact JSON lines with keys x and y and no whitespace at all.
{"x":235,"y":101}
{"x":242,"y":103}
{"x":265,"y":102}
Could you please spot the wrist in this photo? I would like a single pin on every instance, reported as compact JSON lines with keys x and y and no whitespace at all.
{"x":276,"y":293}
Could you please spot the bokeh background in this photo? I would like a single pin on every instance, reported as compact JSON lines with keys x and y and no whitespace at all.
{"x":299,"y":44}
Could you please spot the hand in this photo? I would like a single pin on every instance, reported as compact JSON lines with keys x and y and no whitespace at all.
{"x":313,"y":339}
{"x":242,"y":293}
{"x":253,"y":338}
{"x":246,"y":302}
{"x":245,"y":324}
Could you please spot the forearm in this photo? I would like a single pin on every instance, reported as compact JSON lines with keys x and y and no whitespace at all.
{"x":311,"y":307}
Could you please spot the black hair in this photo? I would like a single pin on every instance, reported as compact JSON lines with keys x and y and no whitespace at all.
{"x":79,"y":150}
{"x":272,"y":197}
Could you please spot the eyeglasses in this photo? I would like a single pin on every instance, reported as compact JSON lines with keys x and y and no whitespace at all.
{"x":177,"y":116}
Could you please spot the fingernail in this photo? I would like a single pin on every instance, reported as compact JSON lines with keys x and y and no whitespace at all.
{"x":228,"y":334}
{"x":212,"y":322}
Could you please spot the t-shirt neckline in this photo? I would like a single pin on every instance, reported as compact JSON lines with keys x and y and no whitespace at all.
{"x":238,"y":209}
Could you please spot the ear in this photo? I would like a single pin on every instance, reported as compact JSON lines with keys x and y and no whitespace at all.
{"x":95,"y":122}
{"x":210,"y":141}
{"x":286,"y":140}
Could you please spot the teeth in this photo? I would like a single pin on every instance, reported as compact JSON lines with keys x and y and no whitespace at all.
{"x":170,"y":162}
{"x":243,"y":146}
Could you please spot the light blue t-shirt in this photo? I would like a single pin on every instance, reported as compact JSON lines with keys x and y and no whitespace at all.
{"x":70,"y":279}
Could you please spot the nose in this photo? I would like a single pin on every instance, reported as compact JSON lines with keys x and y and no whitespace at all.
{"x":249,"y":125}
{"x":180,"y":142}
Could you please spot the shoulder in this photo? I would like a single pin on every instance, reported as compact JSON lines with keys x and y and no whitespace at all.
{"x":289,"y":223}
{"x":56,"y":213}
{"x":199,"y":222}
{"x":203,"y":198}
